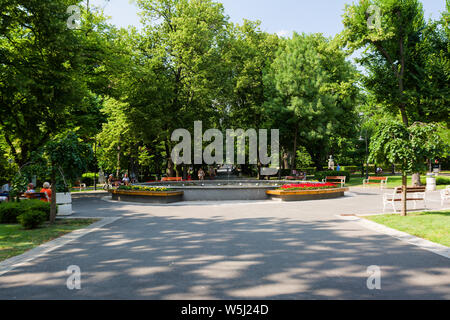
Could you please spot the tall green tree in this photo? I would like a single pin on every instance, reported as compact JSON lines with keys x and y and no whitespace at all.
{"x":249,"y":52}
{"x":44,"y":67}
{"x":406,"y":58}
{"x":315,"y":84}
{"x":182,"y":43}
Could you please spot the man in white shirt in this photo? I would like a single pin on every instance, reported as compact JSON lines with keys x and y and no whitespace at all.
{"x":5,"y":192}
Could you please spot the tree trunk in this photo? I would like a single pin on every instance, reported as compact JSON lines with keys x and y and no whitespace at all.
{"x":404,"y":194}
{"x":294,"y":151}
{"x":53,"y":199}
{"x":170,"y":164}
{"x":118,"y":163}
{"x":285,"y":160}
{"x":184,"y":171}
{"x":416,"y":180}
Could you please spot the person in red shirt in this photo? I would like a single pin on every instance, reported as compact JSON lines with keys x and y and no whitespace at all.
{"x":46,"y":189}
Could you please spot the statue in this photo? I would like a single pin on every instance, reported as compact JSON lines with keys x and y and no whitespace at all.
{"x":101,"y":177}
{"x":331,"y":164}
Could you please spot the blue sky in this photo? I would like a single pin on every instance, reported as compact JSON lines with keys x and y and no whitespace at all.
{"x":277,"y":16}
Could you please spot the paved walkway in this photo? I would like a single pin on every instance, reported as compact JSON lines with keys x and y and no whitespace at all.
{"x":263,"y":250}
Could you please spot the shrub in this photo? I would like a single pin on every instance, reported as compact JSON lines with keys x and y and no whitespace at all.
{"x":440,"y":181}
{"x":351,"y":169}
{"x":288,"y":172}
{"x":443,"y":181}
{"x":36,"y":205}
{"x":31,"y":219}
{"x":88,"y":178}
{"x":309,"y":170}
{"x":319,"y":176}
{"x":9,"y":211}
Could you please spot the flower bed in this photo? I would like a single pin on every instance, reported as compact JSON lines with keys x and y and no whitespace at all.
{"x":308,"y":186}
{"x":307,"y":191}
{"x":140,"y":188}
{"x":146,"y":194}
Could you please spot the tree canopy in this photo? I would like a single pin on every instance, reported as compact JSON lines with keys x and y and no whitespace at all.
{"x":124,"y":91}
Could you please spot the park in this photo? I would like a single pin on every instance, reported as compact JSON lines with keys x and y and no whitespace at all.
{"x":196,"y":155}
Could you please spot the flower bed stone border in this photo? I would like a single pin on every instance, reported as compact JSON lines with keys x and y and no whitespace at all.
{"x":147,"y":196}
{"x":304,"y":195}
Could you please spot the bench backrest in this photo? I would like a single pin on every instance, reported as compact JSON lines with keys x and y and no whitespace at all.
{"x":172,"y":179}
{"x":411,"y":190}
{"x":378,"y":178}
{"x":36,"y":195}
{"x":336,"y":178}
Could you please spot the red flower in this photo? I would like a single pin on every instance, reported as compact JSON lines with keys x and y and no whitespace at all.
{"x":306,"y":186}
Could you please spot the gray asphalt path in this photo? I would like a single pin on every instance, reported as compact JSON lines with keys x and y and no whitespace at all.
{"x":264,"y":250}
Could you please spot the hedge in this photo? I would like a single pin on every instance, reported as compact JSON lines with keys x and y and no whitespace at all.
{"x":31,"y":219}
{"x":440,"y":181}
{"x":288,"y":172}
{"x":319,"y":176}
{"x":88,"y":178}
{"x":10,"y":211}
{"x":351,"y":169}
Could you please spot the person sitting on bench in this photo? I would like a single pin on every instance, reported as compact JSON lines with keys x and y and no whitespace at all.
{"x":46,"y":189}
{"x":30,"y":188}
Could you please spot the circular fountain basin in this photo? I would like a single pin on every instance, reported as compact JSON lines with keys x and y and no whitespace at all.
{"x":223,"y":190}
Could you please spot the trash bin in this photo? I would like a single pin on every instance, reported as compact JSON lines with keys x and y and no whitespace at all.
{"x":431,"y":182}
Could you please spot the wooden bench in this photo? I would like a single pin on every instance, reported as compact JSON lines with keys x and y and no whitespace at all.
{"x":382,"y":181}
{"x":35,"y":196}
{"x":412,"y":194}
{"x":80,"y":186}
{"x":445,"y":195}
{"x":168,"y":179}
{"x":340,"y":178}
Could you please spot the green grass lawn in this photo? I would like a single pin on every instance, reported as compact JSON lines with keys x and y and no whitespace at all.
{"x":433,"y":226}
{"x":15,"y":240}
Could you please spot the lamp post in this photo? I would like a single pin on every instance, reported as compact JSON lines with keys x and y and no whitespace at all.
{"x":361,"y":114}
{"x":367,"y":154}
{"x":96,"y":166}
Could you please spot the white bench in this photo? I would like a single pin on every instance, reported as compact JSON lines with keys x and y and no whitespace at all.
{"x":382,"y":181}
{"x":81,"y":186}
{"x":341,"y":180}
{"x":412,"y":194}
{"x":445,"y":195}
